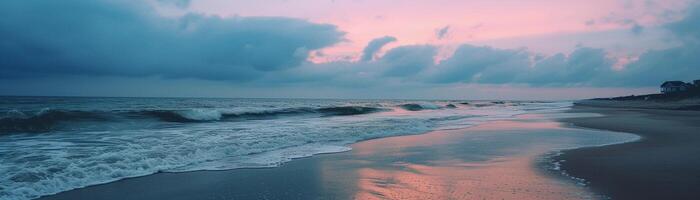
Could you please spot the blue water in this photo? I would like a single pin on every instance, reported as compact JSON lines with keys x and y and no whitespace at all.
{"x":52,"y":144}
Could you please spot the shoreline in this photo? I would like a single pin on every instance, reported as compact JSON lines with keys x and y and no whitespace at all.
{"x":426,"y":165}
{"x":661,"y":164}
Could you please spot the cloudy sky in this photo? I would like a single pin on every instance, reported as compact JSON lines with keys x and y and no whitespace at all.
{"x":445,"y":49}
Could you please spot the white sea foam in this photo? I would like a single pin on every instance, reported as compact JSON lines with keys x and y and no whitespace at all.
{"x":595,"y":138}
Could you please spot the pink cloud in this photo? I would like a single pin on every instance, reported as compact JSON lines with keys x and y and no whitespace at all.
{"x":415,"y":22}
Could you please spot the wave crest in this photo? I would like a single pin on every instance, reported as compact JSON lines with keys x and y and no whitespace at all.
{"x":44,"y":120}
{"x":193,"y":115}
{"x":348,"y":110}
{"x":49,"y":119}
{"x":419,"y":106}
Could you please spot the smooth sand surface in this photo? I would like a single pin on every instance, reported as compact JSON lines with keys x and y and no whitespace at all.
{"x":664,"y":164}
{"x":685,"y":104}
{"x":436,"y":165}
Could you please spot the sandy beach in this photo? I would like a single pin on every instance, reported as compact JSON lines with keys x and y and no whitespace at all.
{"x":496,"y":160}
{"x":664,"y":164}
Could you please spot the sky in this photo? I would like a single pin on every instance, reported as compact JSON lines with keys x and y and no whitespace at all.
{"x":439,"y":49}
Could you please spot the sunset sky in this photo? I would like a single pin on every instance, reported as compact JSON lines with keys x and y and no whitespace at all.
{"x":447,"y":49}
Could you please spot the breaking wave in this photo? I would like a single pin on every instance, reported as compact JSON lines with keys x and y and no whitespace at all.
{"x":192,"y":115}
{"x":49,"y":119}
{"x":349,"y":110}
{"x":44,"y":120}
{"x":100,"y":140}
{"x":419,"y":106}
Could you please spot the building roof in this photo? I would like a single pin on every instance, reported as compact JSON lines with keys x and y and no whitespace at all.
{"x":673,"y":84}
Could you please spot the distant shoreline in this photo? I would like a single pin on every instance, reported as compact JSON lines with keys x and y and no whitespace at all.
{"x":686,"y":104}
{"x":661,"y":165}
{"x":688,"y":99}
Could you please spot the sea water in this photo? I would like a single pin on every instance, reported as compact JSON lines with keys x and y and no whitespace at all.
{"x":54,"y":144}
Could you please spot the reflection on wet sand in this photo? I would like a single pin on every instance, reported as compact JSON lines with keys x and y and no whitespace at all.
{"x":398,"y":168}
{"x":508,"y":178}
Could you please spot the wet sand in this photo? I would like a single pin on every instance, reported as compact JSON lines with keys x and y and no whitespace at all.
{"x":497,"y":160}
{"x":664,"y":164}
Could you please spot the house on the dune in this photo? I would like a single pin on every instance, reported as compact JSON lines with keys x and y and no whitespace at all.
{"x":675,"y":86}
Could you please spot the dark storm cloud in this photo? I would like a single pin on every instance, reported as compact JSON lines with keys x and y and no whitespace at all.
{"x":374,"y":46}
{"x":469,"y":64}
{"x":50,"y":39}
{"x":656,"y":66}
{"x":689,"y":27}
{"x":473,"y":64}
{"x":480,"y":64}
{"x":407,"y":60}
{"x":583,"y":66}
{"x":678,"y":63}
{"x":123,"y":38}
{"x":401,"y":63}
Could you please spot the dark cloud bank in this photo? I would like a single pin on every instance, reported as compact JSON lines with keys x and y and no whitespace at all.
{"x":370,"y":51}
{"x":44,"y":38}
{"x":116,"y":38}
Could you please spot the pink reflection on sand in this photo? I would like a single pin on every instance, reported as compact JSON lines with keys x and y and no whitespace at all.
{"x":507,"y":178}
{"x":510,"y":177}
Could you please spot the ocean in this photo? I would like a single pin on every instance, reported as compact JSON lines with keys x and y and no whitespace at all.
{"x":54,"y":144}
